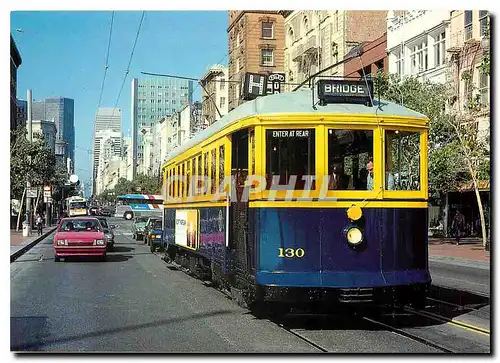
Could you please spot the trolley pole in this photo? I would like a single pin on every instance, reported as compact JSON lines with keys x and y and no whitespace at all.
{"x":27,"y":230}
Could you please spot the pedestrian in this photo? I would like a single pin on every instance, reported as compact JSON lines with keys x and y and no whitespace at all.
{"x":458,"y":225}
{"x":39,"y":224}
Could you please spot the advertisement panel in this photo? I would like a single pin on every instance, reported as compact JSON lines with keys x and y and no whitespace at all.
{"x":186,"y":228}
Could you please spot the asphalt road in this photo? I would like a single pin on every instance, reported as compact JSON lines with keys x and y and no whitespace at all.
{"x":468,"y":276}
{"x":135,"y":303}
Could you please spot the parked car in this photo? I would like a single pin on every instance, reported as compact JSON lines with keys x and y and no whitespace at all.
{"x":108,"y":232}
{"x":79,"y":236}
{"x":149,"y":225}
{"x":154,"y":237}
{"x":107,"y":211}
{"x":138,"y":227}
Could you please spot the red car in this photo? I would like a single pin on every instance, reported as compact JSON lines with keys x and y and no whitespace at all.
{"x":79,"y":236}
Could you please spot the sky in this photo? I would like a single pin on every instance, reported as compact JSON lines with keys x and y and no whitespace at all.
{"x":64,"y":53}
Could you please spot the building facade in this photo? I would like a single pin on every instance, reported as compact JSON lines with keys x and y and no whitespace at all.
{"x":106,"y":119}
{"x":107,"y":144}
{"x":469,"y":43}
{"x":215,"y":94}
{"x":373,"y":59}
{"x":15,"y":62}
{"x":61,"y":111}
{"x":318,"y":39}
{"x":152,"y":99}
{"x":48,"y":130}
{"x":126,"y":160}
{"x":22,"y":113}
{"x":416,"y":43}
{"x":256,"y":45}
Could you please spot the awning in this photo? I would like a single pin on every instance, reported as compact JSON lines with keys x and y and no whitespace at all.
{"x":484,"y":186}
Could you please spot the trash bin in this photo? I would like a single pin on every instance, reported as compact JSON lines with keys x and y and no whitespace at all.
{"x":26,"y":229}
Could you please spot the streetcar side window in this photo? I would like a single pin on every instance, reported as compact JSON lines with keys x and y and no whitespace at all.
{"x":402,"y":160}
{"x":290,"y":153}
{"x":349,"y":154}
{"x":205,"y":170}
{"x":213,"y":181}
{"x":188,"y":178}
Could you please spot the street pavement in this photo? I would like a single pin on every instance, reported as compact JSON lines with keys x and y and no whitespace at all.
{"x":135,"y":303}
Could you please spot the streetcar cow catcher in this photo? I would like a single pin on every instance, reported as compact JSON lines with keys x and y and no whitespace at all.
{"x":313,"y":195}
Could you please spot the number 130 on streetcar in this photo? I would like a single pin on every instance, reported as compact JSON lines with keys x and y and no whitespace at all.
{"x":313,"y":195}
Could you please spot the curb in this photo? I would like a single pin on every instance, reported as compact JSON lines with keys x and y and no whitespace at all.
{"x":457,"y":261}
{"x":30,"y":245}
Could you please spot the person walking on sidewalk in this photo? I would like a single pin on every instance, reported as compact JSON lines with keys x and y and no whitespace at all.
{"x":458,"y":225}
{"x":39,"y":224}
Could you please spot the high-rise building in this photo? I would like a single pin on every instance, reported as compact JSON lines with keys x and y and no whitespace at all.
{"x":61,"y":111}
{"x":106,"y":119}
{"x":107,"y":146}
{"x":256,"y":44}
{"x":152,"y":99}
{"x":215,"y":92}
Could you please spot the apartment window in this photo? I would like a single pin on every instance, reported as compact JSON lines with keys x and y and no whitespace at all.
{"x":222,"y":84}
{"x":439,"y":50}
{"x":222,"y":101}
{"x":484,"y":88}
{"x":400,"y":63}
{"x":237,"y":64}
{"x":468,"y":24}
{"x":419,"y":58}
{"x":267,"y":30}
{"x":483,"y":22}
{"x":335,"y":52}
{"x":237,"y":39}
{"x":337,"y":23}
{"x":306,"y":25}
{"x":267,"y":57}
{"x":237,"y":91}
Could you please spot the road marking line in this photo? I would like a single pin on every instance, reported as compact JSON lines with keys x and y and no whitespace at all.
{"x":458,"y":323}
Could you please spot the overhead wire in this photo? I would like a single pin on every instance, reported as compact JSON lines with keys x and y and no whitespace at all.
{"x":129,"y":63}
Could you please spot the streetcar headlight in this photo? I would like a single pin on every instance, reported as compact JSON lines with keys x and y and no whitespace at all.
{"x":157,"y":236}
{"x":99,"y":242}
{"x":354,"y":236}
{"x":62,"y":242}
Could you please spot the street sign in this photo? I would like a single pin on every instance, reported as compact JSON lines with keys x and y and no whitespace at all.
{"x":32,"y":193}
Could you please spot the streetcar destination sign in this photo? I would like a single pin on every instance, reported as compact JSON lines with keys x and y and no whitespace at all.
{"x":345,"y":91}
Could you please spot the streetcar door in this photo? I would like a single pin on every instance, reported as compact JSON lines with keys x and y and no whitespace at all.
{"x":239,"y":245}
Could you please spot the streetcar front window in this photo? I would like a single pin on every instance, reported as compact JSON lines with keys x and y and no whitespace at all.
{"x":402,"y":160}
{"x":290,"y":153}
{"x":349,"y":156}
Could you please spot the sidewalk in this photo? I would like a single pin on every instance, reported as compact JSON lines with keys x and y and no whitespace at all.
{"x":20,"y":244}
{"x":469,"y":250}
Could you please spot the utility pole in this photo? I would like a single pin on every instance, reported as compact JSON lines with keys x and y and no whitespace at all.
{"x":27,"y":229}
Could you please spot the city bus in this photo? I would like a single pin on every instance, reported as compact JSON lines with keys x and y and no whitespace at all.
{"x":76,"y":206}
{"x":129,"y":206}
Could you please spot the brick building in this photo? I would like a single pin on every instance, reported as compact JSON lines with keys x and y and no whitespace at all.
{"x":256,"y":44}
{"x":373,"y":59}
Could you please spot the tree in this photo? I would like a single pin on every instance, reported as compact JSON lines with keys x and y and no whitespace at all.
{"x":32,"y":161}
{"x":458,"y":152}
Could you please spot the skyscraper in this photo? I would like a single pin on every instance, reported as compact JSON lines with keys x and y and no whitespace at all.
{"x":107,"y":125}
{"x":61,"y":111}
{"x":152,"y":99}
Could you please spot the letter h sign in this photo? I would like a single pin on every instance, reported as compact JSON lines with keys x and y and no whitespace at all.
{"x":255,"y":85}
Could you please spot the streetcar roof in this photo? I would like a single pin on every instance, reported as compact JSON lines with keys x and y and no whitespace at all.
{"x":297,"y":102}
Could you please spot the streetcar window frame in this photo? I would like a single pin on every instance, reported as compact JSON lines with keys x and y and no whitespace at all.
{"x":359,"y":155}
{"x":290,"y":144}
{"x":389,"y":164}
